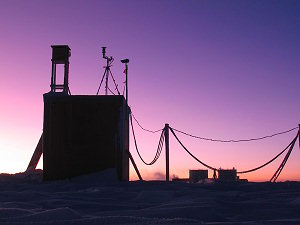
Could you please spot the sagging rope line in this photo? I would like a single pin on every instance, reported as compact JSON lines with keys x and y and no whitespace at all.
{"x":291,"y":145}
{"x":150,"y":131}
{"x":241,"y":140}
{"x":204,"y":164}
{"x":159,"y":148}
{"x":270,"y":161}
{"x":280,"y":168}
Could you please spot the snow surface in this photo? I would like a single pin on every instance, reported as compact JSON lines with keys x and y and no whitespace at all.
{"x":100,"y":199}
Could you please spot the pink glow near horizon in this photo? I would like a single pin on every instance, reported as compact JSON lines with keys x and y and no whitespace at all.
{"x":220,"y":69}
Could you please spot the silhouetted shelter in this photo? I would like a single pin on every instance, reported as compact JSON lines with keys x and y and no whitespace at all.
{"x":82,"y":134}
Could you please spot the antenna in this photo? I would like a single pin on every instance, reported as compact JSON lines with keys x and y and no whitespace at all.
{"x":104,"y":52}
{"x":107,"y":72}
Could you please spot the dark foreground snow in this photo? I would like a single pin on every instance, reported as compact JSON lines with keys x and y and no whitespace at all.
{"x":24,"y":199}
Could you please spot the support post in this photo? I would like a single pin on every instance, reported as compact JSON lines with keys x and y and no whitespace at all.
{"x":53,"y":76}
{"x":134,"y":166}
{"x":126,"y":61}
{"x":66,"y":78}
{"x":299,"y":135}
{"x":36,"y":155}
{"x":127,"y":83}
{"x":167,"y":151}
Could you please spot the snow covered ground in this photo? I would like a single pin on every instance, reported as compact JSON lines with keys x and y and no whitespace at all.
{"x":100,"y":199}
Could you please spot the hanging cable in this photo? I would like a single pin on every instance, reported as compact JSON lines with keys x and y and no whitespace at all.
{"x":267,"y":163}
{"x":204,"y":164}
{"x":159,"y":148}
{"x":150,"y":131}
{"x":241,"y":140}
{"x":280,"y":168}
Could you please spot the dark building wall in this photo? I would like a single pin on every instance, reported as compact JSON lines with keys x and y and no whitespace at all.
{"x":197,"y":175}
{"x":227,"y":175}
{"x":84,"y":134}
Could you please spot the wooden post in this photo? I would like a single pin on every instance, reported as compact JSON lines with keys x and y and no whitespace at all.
{"x":36,"y":155}
{"x":134,"y":166}
{"x":126,"y":70}
{"x":299,"y":135}
{"x":167,"y":150}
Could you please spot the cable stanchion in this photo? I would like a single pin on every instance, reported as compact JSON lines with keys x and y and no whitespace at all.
{"x":299,"y":136}
{"x":159,"y":148}
{"x":235,"y":141}
{"x":204,"y":164}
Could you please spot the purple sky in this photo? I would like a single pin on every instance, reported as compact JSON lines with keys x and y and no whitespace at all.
{"x":219,"y":69}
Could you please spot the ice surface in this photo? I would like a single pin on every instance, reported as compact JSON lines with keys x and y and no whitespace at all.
{"x":101,"y":199}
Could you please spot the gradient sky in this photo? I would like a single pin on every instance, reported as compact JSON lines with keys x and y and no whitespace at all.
{"x":219,"y":69}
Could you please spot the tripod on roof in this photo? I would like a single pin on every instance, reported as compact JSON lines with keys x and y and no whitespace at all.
{"x":107,"y":72}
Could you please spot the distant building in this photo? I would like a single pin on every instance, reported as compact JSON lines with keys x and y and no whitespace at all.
{"x":197,"y":175}
{"x":227,"y":175}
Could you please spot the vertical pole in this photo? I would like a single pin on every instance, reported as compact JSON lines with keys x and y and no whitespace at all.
{"x":66,"y":77}
{"x":52,"y":77}
{"x":107,"y":74}
{"x":106,"y":80}
{"x":127,"y":111}
{"x":167,"y":150}
{"x":299,"y":135}
{"x":126,"y":83}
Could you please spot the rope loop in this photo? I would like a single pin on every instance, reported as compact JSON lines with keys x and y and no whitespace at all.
{"x":159,"y":147}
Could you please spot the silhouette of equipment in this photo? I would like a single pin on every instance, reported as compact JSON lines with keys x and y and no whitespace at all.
{"x":126,"y":61}
{"x":107,"y":73}
{"x":60,"y":55}
{"x":82,"y":134}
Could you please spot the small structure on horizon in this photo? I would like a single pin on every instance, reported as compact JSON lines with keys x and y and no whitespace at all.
{"x":197,"y":175}
{"x":229,"y":175}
